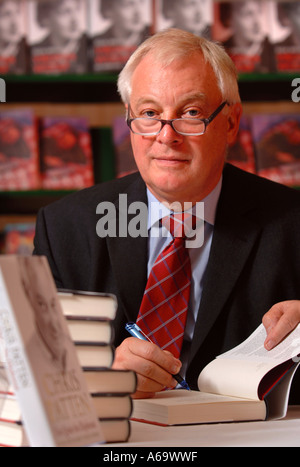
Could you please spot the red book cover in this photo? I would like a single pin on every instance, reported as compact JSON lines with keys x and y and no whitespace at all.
{"x":66,"y":153}
{"x":277,"y":147}
{"x":195,"y":16}
{"x":117,"y":28}
{"x":124,"y":160}
{"x":13,"y":40}
{"x":19,"y":157}
{"x":241,"y":153}
{"x":286,"y":31}
{"x":243,"y":29}
{"x":58,"y":36}
{"x":18,"y":239}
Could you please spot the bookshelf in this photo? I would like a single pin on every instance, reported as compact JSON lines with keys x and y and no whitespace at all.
{"x":95,"y":96}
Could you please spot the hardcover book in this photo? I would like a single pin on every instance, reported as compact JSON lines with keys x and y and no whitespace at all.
{"x":66,"y":153}
{"x":19,"y":154}
{"x":117,"y":28}
{"x":58,"y":36}
{"x":243,"y":29}
{"x":124,"y":160}
{"x":41,"y":361}
{"x":195,"y":16}
{"x":14,"y":57}
{"x":277,"y":147}
{"x":244,"y":384}
{"x":285,"y":27}
{"x":241,"y":153}
{"x":18,"y":239}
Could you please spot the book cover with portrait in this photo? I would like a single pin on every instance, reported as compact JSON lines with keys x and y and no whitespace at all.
{"x":124,"y":159}
{"x":116,"y":29}
{"x":66,"y":153}
{"x":58,"y":36}
{"x":243,"y":29}
{"x":285,"y":28}
{"x":277,"y":147}
{"x":19,"y":152}
{"x":241,"y":153}
{"x":195,"y":16}
{"x":14,"y":57}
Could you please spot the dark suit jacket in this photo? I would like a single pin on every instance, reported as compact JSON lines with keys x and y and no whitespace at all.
{"x":254,"y":260}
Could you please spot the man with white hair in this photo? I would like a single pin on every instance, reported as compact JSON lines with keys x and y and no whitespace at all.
{"x":183,"y":108}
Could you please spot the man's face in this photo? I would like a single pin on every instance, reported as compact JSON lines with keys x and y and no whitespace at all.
{"x":64,"y":20}
{"x":9,"y":22}
{"x":247,"y":21}
{"x":175,"y":167}
{"x":295,"y":17}
{"x":188,"y":14}
{"x":128,"y":14}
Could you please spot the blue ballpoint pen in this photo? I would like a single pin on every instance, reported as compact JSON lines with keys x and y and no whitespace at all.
{"x":135,"y":331}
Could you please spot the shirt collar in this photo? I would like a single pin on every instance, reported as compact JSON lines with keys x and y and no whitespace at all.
{"x":157,"y":210}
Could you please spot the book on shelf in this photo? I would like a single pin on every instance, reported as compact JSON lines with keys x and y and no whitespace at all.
{"x":277,"y":147}
{"x":243,"y":29}
{"x":286,"y":35}
{"x":18,"y":238}
{"x":195,"y":16}
{"x":14,"y":57}
{"x":57,"y":36}
{"x":116,"y":30}
{"x":241,"y":153}
{"x":247,"y":383}
{"x":124,"y":159}
{"x":19,"y":154}
{"x":40,"y":357}
{"x":66,"y":153}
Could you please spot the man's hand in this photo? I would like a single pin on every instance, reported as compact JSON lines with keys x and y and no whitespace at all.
{"x":280,"y":320}
{"x":154,"y":367}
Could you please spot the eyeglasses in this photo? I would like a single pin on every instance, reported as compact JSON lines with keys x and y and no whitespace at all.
{"x":183,"y":126}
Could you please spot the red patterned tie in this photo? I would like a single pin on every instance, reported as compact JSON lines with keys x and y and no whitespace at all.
{"x":163,"y":311}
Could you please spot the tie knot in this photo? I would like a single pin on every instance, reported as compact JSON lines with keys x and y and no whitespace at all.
{"x":179,"y":224}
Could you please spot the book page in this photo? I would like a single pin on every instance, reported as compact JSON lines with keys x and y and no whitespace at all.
{"x":239,"y":371}
{"x":252,"y":349}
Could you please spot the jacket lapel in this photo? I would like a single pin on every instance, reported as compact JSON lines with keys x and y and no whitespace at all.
{"x":128,"y":254}
{"x":234,"y":237}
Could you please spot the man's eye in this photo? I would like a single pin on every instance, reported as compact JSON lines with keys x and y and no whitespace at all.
{"x":149,"y":114}
{"x":192,"y":113}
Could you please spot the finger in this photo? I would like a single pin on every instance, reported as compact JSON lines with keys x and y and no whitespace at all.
{"x":281,"y":319}
{"x":151,"y":364}
{"x":155,"y":365}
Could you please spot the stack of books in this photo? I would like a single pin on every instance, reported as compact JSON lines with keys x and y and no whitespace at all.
{"x":89,"y":319}
{"x":57,"y":385}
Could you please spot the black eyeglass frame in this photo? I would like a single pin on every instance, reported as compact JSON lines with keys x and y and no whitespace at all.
{"x":206,"y":122}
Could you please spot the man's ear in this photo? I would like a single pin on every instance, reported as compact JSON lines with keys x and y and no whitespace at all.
{"x":234,"y":117}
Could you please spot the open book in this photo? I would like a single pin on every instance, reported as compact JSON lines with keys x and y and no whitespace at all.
{"x":246,"y":383}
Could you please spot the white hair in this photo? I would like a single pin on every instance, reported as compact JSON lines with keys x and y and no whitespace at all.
{"x":173,"y":44}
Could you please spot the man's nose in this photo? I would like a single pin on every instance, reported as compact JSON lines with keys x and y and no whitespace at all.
{"x":168,"y":135}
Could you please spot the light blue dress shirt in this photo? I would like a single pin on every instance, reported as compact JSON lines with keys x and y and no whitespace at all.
{"x":159,"y":237}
